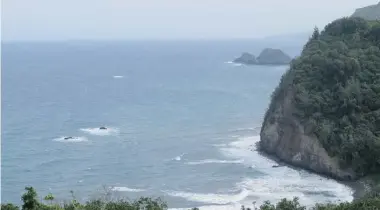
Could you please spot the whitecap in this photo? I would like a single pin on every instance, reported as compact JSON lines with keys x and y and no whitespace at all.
{"x":179,"y":157}
{"x":233,"y":63}
{"x":118,"y":77}
{"x":101,"y":132}
{"x":126,"y":189}
{"x":282,"y":182}
{"x":208,"y":161}
{"x":211,"y":198}
{"x":290,"y":186}
{"x":73,"y":139}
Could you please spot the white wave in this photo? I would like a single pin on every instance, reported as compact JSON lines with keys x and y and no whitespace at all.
{"x":101,"y":132}
{"x":210,"y":198}
{"x":126,"y":189}
{"x":233,"y":63}
{"x":73,"y":139}
{"x":179,"y":157}
{"x":273,"y":184}
{"x":309,"y":190}
{"x":217,"y":207}
{"x":118,"y":77}
{"x":208,"y":161}
{"x":283,"y":182}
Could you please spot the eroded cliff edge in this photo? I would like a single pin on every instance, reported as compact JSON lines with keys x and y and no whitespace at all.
{"x":325,"y":114}
{"x":284,"y":136}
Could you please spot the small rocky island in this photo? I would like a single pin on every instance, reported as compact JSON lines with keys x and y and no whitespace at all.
{"x":246,"y":58}
{"x":268,"y":56}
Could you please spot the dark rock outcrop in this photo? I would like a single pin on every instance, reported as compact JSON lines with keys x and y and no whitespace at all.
{"x":268,"y":56}
{"x":371,"y":12}
{"x":273,"y":57}
{"x":246,"y":58}
{"x":285,"y":137}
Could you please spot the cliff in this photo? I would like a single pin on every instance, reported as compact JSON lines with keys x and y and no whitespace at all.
{"x":268,"y":56}
{"x":369,"y":13}
{"x":325,"y":114}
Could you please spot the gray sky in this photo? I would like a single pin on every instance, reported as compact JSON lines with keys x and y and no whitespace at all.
{"x":166,"y":19}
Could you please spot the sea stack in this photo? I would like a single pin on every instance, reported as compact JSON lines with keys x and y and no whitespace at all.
{"x":246,"y":58}
{"x":272,"y":56}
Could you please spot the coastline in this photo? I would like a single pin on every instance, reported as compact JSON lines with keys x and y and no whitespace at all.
{"x":359,"y":187}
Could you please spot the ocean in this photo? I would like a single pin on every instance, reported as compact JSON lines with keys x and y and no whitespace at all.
{"x":182,"y":124}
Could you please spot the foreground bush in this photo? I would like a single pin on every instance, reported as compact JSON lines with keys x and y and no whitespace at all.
{"x":30,"y":202}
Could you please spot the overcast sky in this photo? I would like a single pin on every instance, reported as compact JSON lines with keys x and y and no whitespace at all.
{"x":166,"y":19}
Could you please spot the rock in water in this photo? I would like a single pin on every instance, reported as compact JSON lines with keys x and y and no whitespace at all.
{"x":246,"y":58}
{"x":325,"y":114}
{"x":103,"y":128}
{"x":274,"y":57}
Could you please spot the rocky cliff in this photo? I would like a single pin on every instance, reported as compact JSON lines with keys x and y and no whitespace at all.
{"x":369,"y":13}
{"x":285,"y":136}
{"x":325,"y":114}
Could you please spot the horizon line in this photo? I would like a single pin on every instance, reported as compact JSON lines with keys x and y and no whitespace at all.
{"x":304,"y":33}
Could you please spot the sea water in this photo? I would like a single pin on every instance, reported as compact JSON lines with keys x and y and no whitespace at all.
{"x":182,"y":124}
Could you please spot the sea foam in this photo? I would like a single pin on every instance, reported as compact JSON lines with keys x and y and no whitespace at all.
{"x":73,"y":139}
{"x":101,"y":132}
{"x":126,"y":189}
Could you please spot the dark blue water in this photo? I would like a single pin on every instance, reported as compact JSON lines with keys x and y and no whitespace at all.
{"x":182,"y":122}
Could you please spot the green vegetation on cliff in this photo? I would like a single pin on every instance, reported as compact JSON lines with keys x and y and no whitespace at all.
{"x":30,"y":201}
{"x":335,"y":85}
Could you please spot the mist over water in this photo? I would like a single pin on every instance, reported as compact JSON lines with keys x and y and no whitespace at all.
{"x":181,"y":123}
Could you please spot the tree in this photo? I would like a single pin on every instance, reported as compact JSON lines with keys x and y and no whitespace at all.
{"x":315,"y":35}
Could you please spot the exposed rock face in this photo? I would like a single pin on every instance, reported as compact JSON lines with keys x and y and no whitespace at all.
{"x":283,"y":135}
{"x":273,"y":56}
{"x":369,"y":13}
{"x":246,"y":58}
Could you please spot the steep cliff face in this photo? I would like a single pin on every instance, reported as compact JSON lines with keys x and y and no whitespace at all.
{"x":284,"y":136}
{"x":369,"y":13}
{"x":325,"y":113}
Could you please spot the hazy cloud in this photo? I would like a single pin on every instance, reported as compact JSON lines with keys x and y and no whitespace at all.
{"x":166,"y":19}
